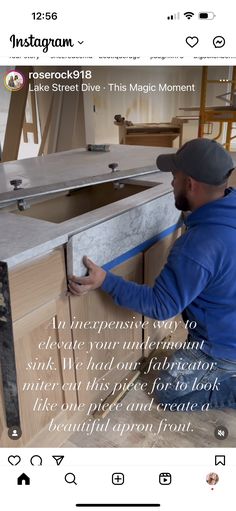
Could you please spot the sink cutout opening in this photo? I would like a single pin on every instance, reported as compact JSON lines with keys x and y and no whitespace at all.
{"x":78,"y":202}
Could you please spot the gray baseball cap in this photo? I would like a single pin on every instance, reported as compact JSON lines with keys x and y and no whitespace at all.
{"x":203,"y":159}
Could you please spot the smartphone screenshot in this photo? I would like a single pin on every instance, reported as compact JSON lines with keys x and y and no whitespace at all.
{"x":117,"y":256}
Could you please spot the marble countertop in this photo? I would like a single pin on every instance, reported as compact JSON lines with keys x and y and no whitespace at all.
{"x":23,"y":238}
{"x":78,"y":163}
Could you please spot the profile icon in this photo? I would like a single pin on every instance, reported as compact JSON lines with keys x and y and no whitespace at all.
{"x":212,"y":478}
{"x":14,"y":432}
{"x":14,"y":80}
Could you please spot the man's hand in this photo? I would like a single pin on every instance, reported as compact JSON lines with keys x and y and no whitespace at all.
{"x":81,"y":285}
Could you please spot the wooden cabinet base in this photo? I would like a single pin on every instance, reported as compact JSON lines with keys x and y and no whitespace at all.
{"x":60,"y":387}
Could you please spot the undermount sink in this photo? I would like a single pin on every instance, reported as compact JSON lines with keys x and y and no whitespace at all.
{"x":74,"y":203}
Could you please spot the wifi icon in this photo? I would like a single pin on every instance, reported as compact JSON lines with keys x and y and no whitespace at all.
{"x":189,"y":15}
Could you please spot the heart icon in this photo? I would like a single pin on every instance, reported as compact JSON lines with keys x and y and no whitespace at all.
{"x":14,"y":460}
{"x":192,"y":41}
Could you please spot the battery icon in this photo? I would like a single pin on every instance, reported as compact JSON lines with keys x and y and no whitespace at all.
{"x":206,"y":15}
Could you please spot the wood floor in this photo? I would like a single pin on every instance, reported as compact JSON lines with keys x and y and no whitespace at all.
{"x":200,"y":434}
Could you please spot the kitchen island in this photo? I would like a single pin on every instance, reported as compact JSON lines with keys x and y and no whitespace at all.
{"x":54,"y":371}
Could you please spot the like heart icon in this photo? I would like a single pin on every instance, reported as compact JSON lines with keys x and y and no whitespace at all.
{"x":14,"y":460}
{"x":192,"y":41}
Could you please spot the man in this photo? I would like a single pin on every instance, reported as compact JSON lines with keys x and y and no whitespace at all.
{"x":198,"y":280}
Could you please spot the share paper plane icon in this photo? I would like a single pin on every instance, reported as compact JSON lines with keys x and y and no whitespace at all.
{"x":58,"y":459}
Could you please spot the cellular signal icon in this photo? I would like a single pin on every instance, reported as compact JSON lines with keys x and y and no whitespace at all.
{"x":189,"y":15}
{"x":175,"y":16}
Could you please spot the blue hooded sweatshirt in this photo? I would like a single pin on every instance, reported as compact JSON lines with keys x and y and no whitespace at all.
{"x":199,"y":279}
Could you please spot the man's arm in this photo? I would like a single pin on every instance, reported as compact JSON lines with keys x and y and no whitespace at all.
{"x":179,"y":283}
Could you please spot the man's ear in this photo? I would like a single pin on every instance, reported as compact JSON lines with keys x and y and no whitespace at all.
{"x":190,"y":184}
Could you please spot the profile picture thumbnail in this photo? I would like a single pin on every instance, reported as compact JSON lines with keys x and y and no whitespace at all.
{"x":212,"y":478}
{"x":14,"y":80}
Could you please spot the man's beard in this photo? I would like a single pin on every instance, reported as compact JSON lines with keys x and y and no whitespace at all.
{"x":182,"y":203}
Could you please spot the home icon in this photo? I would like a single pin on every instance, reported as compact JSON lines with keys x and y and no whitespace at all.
{"x":23,"y":479}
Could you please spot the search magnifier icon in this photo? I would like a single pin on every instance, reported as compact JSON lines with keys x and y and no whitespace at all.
{"x":70,"y":478}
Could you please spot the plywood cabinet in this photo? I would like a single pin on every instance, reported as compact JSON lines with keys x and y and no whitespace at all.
{"x":51,"y":381}
{"x":61,"y":383}
{"x":154,"y":260}
{"x":40,"y":311}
